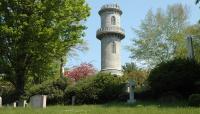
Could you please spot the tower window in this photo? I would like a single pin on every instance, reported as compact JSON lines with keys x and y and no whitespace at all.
{"x":113,"y":47}
{"x":113,"y":20}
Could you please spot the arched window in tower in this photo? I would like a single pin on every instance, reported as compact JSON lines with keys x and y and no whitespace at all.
{"x":113,"y":47}
{"x":113,"y":20}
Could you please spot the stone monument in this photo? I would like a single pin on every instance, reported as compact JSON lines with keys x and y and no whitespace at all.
{"x":190,"y":48}
{"x":38,"y":101}
{"x":73,"y":100}
{"x":14,"y":104}
{"x":110,"y":34}
{"x":22,"y":103}
{"x":131,"y":86}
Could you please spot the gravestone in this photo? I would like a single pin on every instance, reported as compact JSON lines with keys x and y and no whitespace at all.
{"x":73,"y":100}
{"x":1,"y":102}
{"x":23,"y":103}
{"x":131,"y":85}
{"x":38,"y":101}
{"x":14,"y":104}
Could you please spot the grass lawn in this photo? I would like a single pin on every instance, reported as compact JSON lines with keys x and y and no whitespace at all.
{"x":111,"y":108}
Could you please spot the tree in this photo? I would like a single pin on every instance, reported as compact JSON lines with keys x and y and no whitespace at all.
{"x":82,"y":71}
{"x":131,"y":71}
{"x":129,"y":67}
{"x":160,"y":35}
{"x":36,"y":33}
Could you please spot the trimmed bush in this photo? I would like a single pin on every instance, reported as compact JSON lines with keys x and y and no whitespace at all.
{"x":178,"y":75}
{"x":101,"y":88}
{"x":170,"y":97}
{"x":194,"y":100}
{"x":7,"y":92}
{"x":144,"y":95}
{"x":53,"y":89}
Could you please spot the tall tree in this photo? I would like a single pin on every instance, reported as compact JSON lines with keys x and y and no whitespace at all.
{"x":160,"y":35}
{"x":35,"y":33}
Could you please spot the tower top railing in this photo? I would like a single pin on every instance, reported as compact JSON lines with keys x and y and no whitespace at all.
{"x":110,"y":7}
{"x":110,"y":30}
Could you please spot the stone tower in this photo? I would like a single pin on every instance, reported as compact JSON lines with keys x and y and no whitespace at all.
{"x":110,"y":34}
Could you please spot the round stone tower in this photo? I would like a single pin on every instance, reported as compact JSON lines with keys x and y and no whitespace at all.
{"x":110,"y":34}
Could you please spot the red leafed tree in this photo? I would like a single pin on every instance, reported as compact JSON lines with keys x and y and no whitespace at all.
{"x":82,"y":71}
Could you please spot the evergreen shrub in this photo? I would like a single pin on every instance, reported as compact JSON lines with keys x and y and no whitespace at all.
{"x":178,"y":75}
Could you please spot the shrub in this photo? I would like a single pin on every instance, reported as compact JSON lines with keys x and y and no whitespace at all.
{"x":7,"y":92}
{"x":144,"y":95}
{"x":97,"y":89}
{"x":84,"y":91}
{"x":178,"y":75}
{"x":194,"y":100}
{"x":53,"y":89}
{"x":170,"y":97}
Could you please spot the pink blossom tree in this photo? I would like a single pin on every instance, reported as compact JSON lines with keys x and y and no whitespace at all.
{"x":82,"y":71}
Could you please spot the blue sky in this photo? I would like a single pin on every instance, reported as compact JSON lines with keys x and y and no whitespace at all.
{"x":133,"y":12}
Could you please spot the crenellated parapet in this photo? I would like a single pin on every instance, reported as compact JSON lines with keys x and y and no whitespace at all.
{"x":110,"y":7}
{"x":110,"y":30}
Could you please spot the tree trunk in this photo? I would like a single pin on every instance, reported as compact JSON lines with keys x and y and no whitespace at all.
{"x":20,"y":83}
{"x":61,"y":68}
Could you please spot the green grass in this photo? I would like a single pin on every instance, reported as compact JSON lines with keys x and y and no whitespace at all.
{"x":111,"y":108}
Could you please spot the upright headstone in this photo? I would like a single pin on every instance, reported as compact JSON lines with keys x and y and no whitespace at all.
{"x":73,"y":100}
{"x":14,"y":104}
{"x":38,"y":101}
{"x":23,"y":103}
{"x":1,"y":102}
{"x":131,"y":85}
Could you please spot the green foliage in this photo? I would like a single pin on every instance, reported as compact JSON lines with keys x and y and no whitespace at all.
{"x":97,"y":89}
{"x":131,"y":71}
{"x":179,"y":75}
{"x":54,"y":89}
{"x":160,"y":36}
{"x":170,"y":97}
{"x":84,"y":91}
{"x":129,"y":67}
{"x":34,"y":34}
{"x":194,"y":100}
{"x":144,"y":95}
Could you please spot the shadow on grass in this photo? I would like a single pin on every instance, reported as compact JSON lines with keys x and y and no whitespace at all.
{"x":148,"y":103}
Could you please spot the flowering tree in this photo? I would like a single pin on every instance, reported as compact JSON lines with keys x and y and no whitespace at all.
{"x":82,"y":71}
